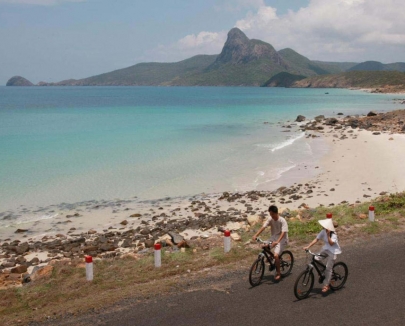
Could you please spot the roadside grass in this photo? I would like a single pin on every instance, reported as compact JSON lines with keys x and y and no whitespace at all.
{"x":66,"y":291}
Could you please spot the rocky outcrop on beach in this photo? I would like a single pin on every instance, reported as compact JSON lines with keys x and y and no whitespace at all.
{"x":390,"y":122}
{"x":18,"y":81}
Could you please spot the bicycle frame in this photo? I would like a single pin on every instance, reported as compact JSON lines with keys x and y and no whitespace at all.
{"x":319,"y":267}
{"x":266,"y":252}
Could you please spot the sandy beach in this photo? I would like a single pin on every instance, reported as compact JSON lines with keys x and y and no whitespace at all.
{"x":360,"y":165}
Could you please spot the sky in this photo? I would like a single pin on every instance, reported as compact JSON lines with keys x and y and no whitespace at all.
{"x":53,"y":40}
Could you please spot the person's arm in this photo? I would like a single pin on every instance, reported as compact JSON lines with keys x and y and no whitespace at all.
{"x":330,"y":241}
{"x":258,"y":232}
{"x":311,"y":244}
{"x":275,"y":243}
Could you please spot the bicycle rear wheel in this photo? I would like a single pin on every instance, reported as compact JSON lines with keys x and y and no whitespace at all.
{"x":339,"y":276}
{"x":286,"y":263}
{"x":304,"y":284}
{"x":256,"y":272}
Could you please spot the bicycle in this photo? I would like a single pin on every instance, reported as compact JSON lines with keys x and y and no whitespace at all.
{"x":257,"y":270}
{"x":305,"y":281}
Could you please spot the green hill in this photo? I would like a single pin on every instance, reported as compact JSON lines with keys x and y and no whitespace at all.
{"x":358,"y":79}
{"x":147,"y":74}
{"x":242,"y":62}
{"x":300,"y":65}
{"x":378,"y":66}
{"x":283,"y":79}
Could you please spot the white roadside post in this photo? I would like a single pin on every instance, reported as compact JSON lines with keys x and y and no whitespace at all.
{"x":371,"y":214}
{"x":227,"y":241}
{"x":158,"y":255}
{"x":89,"y":268}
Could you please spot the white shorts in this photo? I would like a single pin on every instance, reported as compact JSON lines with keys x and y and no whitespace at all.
{"x":279,"y":248}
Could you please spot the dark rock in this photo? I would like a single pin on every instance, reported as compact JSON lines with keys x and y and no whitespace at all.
{"x":145,"y":231}
{"x":300,"y":118}
{"x":21,"y":231}
{"x":331,"y":121}
{"x":371,"y":114}
{"x":149,"y":243}
{"x":22,"y":248}
{"x":319,"y":118}
{"x":19,"y":269}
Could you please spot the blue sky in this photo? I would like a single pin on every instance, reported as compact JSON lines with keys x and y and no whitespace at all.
{"x":52,"y":40}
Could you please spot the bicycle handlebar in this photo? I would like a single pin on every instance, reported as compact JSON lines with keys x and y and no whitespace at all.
{"x":313,"y":254}
{"x":263,"y":242}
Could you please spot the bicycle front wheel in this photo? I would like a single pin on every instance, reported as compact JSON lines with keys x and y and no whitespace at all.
{"x":339,"y":276}
{"x":256,"y":272}
{"x":286,"y":263}
{"x":304,"y":284}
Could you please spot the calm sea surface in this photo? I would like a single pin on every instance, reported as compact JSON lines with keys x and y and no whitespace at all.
{"x":81,"y":143}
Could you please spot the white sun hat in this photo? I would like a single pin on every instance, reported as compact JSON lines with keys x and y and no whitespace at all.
{"x":327,"y":224}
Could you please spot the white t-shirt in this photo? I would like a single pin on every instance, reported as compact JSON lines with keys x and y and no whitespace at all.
{"x":277,"y":227}
{"x":335,"y":248}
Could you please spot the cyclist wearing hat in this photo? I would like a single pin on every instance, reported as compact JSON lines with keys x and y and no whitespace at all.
{"x":330,"y":249}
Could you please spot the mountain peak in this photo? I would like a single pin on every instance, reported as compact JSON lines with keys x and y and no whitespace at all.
{"x":239,"y":49}
{"x":236,"y":35}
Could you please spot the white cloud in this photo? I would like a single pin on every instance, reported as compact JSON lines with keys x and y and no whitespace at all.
{"x":332,"y":29}
{"x":39,"y":2}
{"x":190,"y":45}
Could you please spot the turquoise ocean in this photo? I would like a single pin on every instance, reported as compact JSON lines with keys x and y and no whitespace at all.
{"x":71,"y":144}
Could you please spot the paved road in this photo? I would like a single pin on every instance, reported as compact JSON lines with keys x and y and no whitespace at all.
{"x":374,"y":295}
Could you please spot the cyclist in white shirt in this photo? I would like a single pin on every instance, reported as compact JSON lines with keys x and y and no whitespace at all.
{"x":279,"y":235}
{"x":330,"y":249}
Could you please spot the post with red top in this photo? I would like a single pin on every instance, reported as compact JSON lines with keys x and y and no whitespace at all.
{"x":158,"y":256}
{"x":329,"y":215}
{"x":371,"y":214}
{"x":227,"y":241}
{"x":89,"y":268}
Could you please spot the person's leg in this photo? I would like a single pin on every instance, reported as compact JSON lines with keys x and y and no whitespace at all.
{"x":328,"y":271}
{"x":277,"y":252}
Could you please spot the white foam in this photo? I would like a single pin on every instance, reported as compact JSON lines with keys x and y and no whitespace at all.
{"x":281,"y":171}
{"x":30,"y":219}
{"x":288,"y":142}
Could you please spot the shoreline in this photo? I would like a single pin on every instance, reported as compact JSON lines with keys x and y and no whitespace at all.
{"x":350,"y":172}
{"x":331,"y":179}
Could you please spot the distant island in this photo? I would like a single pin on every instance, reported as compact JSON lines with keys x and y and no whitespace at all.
{"x":246,"y":62}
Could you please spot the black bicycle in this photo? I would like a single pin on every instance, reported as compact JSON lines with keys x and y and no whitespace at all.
{"x":305,"y":281}
{"x":257,"y":269}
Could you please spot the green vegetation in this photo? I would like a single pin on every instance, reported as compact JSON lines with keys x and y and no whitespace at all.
{"x":283,"y":79}
{"x":361,"y":79}
{"x":378,"y":66}
{"x":153,"y":73}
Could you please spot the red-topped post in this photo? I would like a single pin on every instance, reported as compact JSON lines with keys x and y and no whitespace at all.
{"x":89,"y":268}
{"x":227,"y":241}
{"x":158,"y":255}
{"x":371,"y":215}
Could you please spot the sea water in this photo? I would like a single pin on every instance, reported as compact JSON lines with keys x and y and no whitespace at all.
{"x":70,"y":144}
